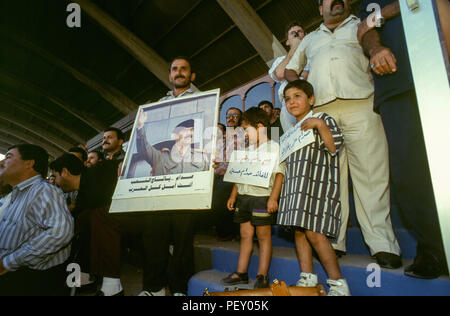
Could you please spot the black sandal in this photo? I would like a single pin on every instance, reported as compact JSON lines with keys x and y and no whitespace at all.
{"x":242,"y":278}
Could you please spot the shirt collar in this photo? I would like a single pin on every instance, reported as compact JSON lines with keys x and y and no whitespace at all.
{"x":347,"y":20}
{"x":188,"y":91}
{"x":27,"y":183}
{"x":23,"y":186}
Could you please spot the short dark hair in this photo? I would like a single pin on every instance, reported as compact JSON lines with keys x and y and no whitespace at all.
{"x":265,"y":102}
{"x":291,"y":25}
{"x":80,"y":151}
{"x":255,"y":116}
{"x":36,"y":153}
{"x":182,"y":58}
{"x":236,"y":109}
{"x":303,"y":85}
{"x":119,"y":133}
{"x":98,"y":153}
{"x":70,"y":162}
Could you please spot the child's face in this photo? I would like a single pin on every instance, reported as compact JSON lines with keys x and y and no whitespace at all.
{"x":251,"y":133}
{"x":298,"y":103}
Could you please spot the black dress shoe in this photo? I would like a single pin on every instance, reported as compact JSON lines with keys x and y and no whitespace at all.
{"x":424,"y":269}
{"x":88,"y":288}
{"x":388,"y":260}
{"x":100,"y":293}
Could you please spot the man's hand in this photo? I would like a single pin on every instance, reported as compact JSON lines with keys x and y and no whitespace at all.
{"x":3,"y":271}
{"x":142,"y":119}
{"x":382,"y":61}
{"x":295,"y":43}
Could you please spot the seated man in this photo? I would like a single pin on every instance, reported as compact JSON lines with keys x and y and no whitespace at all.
{"x":36,"y":227}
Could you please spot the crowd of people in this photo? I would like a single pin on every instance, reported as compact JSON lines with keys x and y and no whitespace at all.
{"x":349,"y":82}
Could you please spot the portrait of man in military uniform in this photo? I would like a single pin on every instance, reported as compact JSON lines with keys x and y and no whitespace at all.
{"x":179,"y":155}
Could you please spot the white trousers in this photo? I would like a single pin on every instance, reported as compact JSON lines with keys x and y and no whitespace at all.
{"x":365,"y":156}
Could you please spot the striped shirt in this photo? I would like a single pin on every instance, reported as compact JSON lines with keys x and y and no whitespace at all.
{"x":36,"y":228}
{"x":3,"y":204}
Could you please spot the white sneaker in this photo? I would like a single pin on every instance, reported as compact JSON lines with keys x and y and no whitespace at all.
{"x":162,"y":292}
{"x":179,"y":294}
{"x":338,"y":288}
{"x":307,"y":280}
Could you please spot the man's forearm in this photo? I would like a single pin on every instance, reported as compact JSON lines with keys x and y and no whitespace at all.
{"x":371,"y":41}
{"x":391,"y":10}
{"x":290,"y":75}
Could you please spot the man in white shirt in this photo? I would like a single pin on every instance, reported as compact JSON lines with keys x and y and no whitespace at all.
{"x":295,"y":35}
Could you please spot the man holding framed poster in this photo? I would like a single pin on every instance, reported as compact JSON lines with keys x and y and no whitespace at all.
{"x":168,"y":171}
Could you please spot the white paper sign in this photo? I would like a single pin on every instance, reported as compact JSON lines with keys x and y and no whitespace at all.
{"x":293,"y":140}
{"x":251,"y":167}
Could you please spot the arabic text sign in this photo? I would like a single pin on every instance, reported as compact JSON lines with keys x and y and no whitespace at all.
{"x":251,"y":167}
{"x":293,"y":140}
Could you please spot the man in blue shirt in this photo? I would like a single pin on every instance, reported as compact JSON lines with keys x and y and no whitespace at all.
{"x":383,"y":40}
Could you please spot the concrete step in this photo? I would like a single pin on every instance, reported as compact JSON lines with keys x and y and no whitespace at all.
{"x":355,"y":241}
{"x":215,"y":260}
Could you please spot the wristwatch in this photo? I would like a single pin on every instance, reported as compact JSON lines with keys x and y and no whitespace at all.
{"x":380,"y":20}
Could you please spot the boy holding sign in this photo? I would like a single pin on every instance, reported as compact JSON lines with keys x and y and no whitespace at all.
{"x":258,"y":176}
{"x":310,"y":199}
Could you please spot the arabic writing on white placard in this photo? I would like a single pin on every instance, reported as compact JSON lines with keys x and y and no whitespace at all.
{"x":293,"y":140}
{"x":251,"y":167}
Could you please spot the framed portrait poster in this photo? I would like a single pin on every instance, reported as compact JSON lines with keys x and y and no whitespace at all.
{"x":169,"y":161}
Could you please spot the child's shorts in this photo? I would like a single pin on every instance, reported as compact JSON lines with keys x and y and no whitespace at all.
{"x":253,"y":209}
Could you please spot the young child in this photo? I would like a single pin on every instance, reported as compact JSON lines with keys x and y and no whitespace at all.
{"x":309,"y":200}
{"x":255,"y":206}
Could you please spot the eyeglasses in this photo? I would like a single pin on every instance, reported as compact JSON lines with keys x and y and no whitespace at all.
{"x":233,"y":116}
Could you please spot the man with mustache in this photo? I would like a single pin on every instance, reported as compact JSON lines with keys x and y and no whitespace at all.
{"x":177,"y":227}
{"x":181,"y":158}
{"x":340,"y":73}
{"x":113,"y":140}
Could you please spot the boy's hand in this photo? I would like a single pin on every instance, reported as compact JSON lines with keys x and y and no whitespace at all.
{"x":272,"y":206}
{"x":230,"y":203}
{"x":312,"y":123}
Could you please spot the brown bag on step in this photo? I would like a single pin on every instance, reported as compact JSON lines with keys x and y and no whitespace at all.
{"x":276,"y":289}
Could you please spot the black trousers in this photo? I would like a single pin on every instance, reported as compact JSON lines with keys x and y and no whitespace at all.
{"x":160,"y":268}
{"x":27,"y":282}
{"x":223,"y":218}
{"x":410,"y":175}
